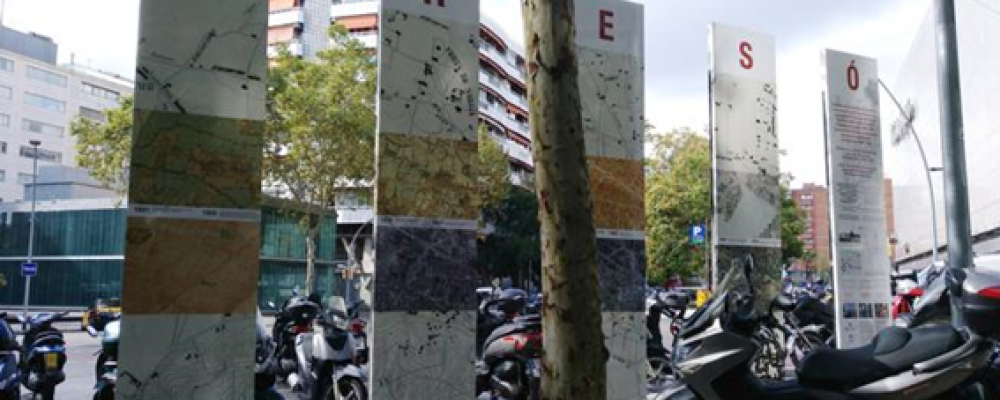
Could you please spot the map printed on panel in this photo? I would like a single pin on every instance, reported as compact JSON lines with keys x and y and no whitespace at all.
{"x":613,"y":104}
{"x":188,"y":357}
{"x":745,"y":139}
{"x":747,"y":162}
{"x":188,"y":65}
{"x":437,"y":93}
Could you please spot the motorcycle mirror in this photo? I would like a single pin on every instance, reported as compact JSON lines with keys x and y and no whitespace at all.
{"x":91,"y":331}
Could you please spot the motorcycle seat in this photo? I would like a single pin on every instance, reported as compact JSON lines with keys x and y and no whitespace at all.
{"x":892,"y":351}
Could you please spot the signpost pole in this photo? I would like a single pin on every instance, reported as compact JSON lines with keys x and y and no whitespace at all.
{"x":31,"y":233}
{"x":956,"y":194}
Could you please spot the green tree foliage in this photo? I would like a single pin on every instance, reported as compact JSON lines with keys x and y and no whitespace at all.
{"x":493,"y":170}
{"x":793,"y":225}
{"x":104,"y":147}
{"x":320,"y":132}
{"x":678,"y":195}
{"x":513,"y":247}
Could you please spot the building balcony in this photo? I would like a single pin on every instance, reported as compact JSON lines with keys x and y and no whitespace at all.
{"x":295,"y":47}
{"x":350,"y":8}
{"x":504,"y":61}
{"x":288,"y":16}
{"x":502,"y":87}
{"x":500,"y":116}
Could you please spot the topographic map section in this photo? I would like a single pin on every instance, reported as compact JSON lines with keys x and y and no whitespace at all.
{"x":208,"y":63}
{"x":196,"y":161}
{"x":429,"y":83}
{"x":194,"y":357}
{"x":746,"y":157}
{"x":611,"y":93}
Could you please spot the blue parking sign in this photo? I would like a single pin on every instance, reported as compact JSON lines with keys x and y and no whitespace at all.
{"x":697,"y":234}
{"x":29,"y":269}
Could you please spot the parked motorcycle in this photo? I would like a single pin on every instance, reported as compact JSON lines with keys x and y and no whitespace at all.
{"x":713,"y":354}
{"x":10,"y":376}
{"x":327,"y":361}
{"x":659,"y":303}
{"x":509,"y":366}
{"x":359,"y":329}
{"x":294,"y":318}
{"x":106,"y":366}
{"x":265,"y":366}
{"x":43,"y":356}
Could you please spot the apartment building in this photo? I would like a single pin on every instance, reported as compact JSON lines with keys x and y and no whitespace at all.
{"x":38,"y":100}
{"x":503,"y":105}
{"x":814,"y":201}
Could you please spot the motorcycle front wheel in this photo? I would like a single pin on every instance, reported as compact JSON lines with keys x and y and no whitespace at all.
{"x":349,"y":389}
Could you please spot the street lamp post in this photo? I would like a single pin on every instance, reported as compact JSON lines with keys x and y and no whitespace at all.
{"x":31,"y":228}
{"x":927,"y":169}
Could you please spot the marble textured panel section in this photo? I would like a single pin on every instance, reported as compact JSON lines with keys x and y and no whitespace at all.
{"x":611,"y":97}
{"x":425,"y":269}
{"x":196,"y":161}
{"x":622,"y":264}
{"x":177,"y":266}
{"x":428,"y":69}
{"x":203,"y":57}
{"x":424,"y":355}
{"x":618,"y":193}
{"x":183,"y":356}
{"x":625,"y":338}
{"x":426,"y":177}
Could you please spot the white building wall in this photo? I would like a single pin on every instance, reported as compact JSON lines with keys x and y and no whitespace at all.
{"x":14,"y":136}
{"x":978,"y":36}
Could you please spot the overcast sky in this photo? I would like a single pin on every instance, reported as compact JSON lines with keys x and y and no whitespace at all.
{"x":102,"y":33}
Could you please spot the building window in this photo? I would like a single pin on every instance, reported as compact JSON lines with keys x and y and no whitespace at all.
{"x":43,"y":155}
{"x":3,"y":147}
{"x":47,"y":103}
{"x":4,"y":121}
{"x":99,"y":92}
{"x":3,"y":175}
{"x":41,"y":128}
{"x":23,"y":178}
{"x":51,"y":78}
{"x":6,"y":64}
{"x":6,"y":92}
{"x":92,"y":114}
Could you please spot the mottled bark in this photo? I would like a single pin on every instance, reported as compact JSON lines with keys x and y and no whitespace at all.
{"x":312,"y":232}
{"x":573,"y":365}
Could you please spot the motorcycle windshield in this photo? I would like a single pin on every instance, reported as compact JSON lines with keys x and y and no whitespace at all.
{"x":728,"y":283}
{"x":8,"y":340}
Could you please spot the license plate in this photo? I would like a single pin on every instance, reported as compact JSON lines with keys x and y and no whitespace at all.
{"x":51,"y":360}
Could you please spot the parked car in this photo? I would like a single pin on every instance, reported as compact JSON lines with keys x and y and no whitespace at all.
{"x":102,"y":312}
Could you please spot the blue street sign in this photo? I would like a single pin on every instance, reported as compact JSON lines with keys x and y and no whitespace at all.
{"x":697,"y":234}
{"x":29,"y":269}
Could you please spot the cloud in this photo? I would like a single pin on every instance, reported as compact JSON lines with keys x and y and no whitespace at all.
{"x":103,"y":33}
{"x":100,"y":33}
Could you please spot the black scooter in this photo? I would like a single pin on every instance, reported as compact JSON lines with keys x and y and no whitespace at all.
{"x":265,"y":365}
{"x":295,"y":317}
{"x":713,"y":354}
{"x":10,"y":375}
{"x":106,"y":366}
{"x":509,"y":366}
{"x":44,"y":355}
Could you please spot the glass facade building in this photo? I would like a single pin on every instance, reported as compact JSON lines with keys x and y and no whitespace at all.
{"x":80,"y":255}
